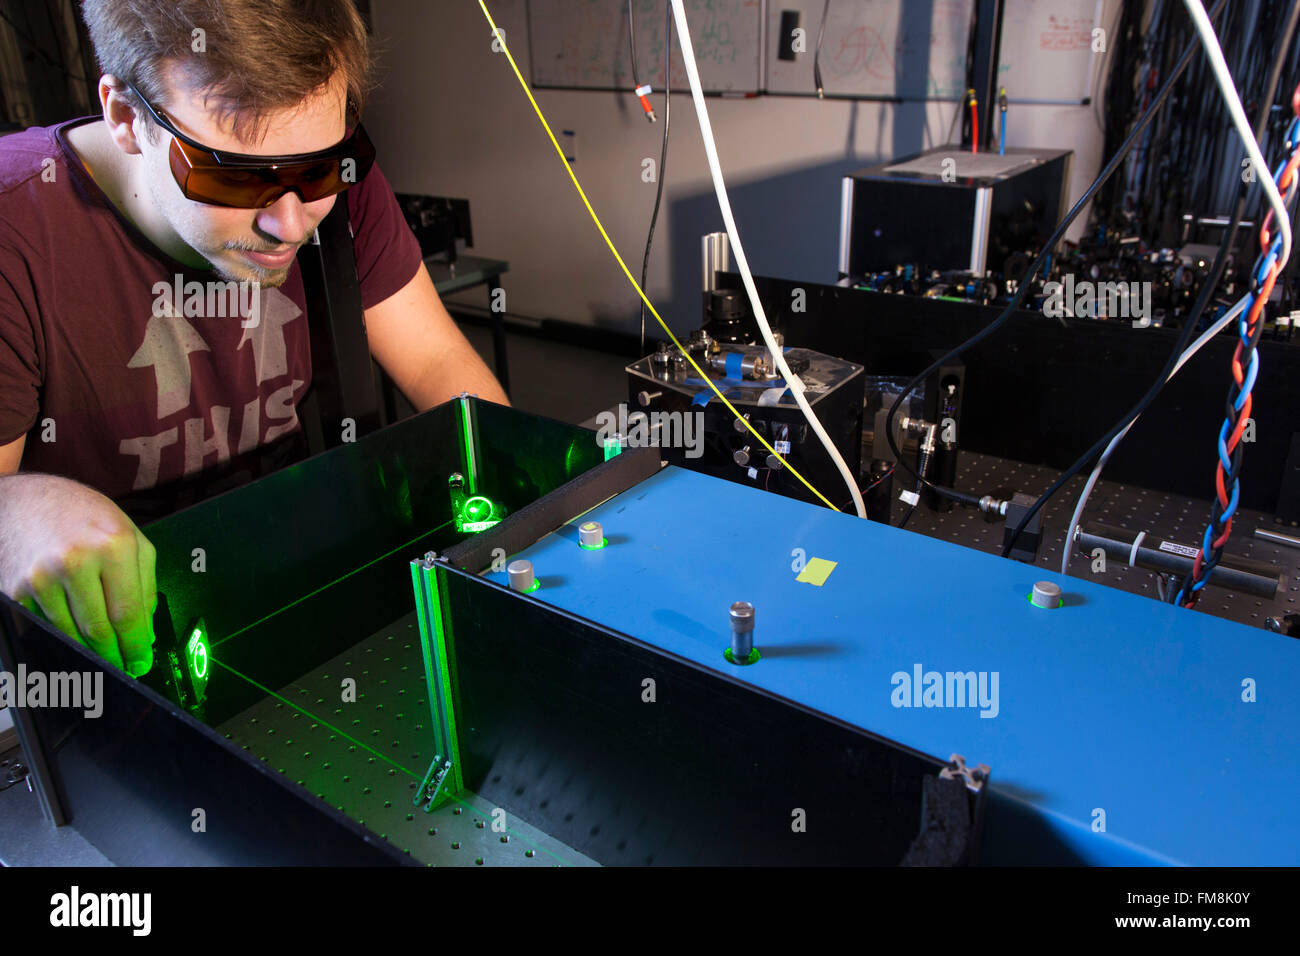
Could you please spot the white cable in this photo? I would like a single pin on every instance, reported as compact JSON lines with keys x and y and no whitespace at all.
{"x":1188,"y":352}
{"x":1133,"y":551}
{"x":1229,"y":90}
{"x":742,"y":264}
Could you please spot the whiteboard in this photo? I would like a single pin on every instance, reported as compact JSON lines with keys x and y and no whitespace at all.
{"x":916,"y":49}
{"x":1046,"y":53}
{"x":584,"y":44}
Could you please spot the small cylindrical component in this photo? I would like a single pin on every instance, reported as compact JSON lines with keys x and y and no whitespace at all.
{"x":1046,"y":594}
{"x":773,"y":462}
{"x":644,"y":398}
{"x":521,"y":575}
{"x":701,"y":342}
{"x":772,"y":370}
{"x":1277,"y":537}
{"x":591,"y":534}
{"x":724,"y":316}
{"x":749,"y":366}
{"x":741,"y":456}
{"x":742,"y":631}
{"x":661,"y":361}
{"x":716,"y":256}
{"x":925,"y":453}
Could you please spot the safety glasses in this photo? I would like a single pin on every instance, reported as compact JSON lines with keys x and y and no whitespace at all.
{"x":218,"y":178}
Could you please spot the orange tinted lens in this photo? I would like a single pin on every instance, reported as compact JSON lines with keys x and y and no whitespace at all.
{"x":258,"y":187}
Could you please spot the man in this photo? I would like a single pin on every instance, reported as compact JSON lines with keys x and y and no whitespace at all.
{"x":153,"y":336}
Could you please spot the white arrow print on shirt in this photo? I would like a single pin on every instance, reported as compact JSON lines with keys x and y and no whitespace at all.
{"x":168,"y":342}
{"x":270,"y":357}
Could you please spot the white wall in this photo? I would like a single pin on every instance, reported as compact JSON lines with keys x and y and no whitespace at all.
{"x":452,"y":120}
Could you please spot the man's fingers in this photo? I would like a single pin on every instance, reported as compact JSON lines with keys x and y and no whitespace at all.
{"x":86,"y":602}
{"x":148,"y":579}
{"x":124,"y":602}
{"x":54,"y":605}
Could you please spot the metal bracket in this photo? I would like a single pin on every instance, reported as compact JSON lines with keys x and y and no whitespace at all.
{"x":439,"y":775}
{"x":13,"y":770}
{"x":974,"y":777}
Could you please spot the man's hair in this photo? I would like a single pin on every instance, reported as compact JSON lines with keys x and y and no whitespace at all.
{"x":252,"y":58}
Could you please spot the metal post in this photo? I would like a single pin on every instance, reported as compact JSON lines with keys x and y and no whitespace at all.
{"x":716,"y":249}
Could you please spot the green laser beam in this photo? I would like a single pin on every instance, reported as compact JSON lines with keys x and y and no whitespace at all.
{"x":319,"y":720}
{"x":323,"y":587}
{"x":382,"y":756}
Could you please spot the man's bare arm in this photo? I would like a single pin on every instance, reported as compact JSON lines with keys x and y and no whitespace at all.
{"x":417,"y":343}
{"x":11,"y":455}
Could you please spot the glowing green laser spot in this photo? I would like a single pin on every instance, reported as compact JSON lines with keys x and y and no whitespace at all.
{"x":198,"y":651}
{"x":477,"y":508}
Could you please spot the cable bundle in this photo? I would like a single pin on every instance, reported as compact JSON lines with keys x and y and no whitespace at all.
{"x":1155,"y":190}
{"x":1245,"y":369}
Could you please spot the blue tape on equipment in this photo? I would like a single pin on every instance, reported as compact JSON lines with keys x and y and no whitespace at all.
{"x":734,"y":385}
{"x":702,"y":398}
{"x":735,"y":368}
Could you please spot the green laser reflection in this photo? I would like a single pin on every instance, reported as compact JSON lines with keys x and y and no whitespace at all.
{"x":319,"y":720}
{"x":342,"y":577}
{"x":325,"y":723}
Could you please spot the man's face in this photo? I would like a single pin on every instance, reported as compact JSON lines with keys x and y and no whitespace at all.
{"x":243,"y":244}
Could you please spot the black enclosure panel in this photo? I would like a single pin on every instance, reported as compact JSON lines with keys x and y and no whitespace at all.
{"x":554,"y":726}
{"x":132,"y":778}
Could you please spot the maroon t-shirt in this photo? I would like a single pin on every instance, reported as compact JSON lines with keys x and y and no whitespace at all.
{"x":135,"y":374}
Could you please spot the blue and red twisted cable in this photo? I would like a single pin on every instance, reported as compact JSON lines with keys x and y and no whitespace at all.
{"x":1245,"y":370}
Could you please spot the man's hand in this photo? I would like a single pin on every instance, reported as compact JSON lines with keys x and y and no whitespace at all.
{"x":72,"y":553}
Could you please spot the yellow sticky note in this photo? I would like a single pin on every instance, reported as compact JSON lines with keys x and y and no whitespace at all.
{"x":816,"y":571}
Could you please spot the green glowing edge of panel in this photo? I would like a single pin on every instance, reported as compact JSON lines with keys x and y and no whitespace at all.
{"x":437,"y":673}
{"x":467,"y":437}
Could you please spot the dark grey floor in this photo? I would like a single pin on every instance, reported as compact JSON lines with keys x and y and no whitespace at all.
{"x":27,"y":839}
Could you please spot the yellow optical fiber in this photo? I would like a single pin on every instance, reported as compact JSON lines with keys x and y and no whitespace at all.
{"x":499,"y":38}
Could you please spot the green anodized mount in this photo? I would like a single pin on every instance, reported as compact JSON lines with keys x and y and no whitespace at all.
{"x":472,"y":512}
